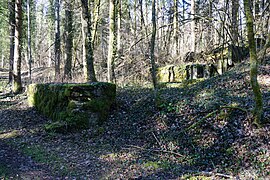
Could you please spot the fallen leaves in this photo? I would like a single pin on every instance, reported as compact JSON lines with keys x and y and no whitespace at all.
{"x":202,"y":130}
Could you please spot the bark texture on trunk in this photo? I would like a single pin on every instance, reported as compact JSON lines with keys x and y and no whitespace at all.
{"x":258,"y":109}
{"x":88,"y":57}
{"x":11,"y":38}
{"x":68,"y":39}
{"x":193,"y":26}
{"x":153,"y":40}
{"x":112,"y":46}
{"x":17,"y":82}
{"x":57,"y":38}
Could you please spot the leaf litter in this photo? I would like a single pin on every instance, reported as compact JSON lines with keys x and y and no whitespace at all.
{"x":199,"y":131}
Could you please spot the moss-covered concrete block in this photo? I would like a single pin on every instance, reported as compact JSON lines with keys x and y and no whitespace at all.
{"x":72,"y":106}
{"x":171,"y":73}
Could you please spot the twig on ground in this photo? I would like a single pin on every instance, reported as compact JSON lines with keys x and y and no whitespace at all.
{"x":212,"y":113}
{"x":156,"y":139}
{"x":155,"y":150}
{"x":202,"y":120}
{"x":193,"y":113}
{"x":207,"y":173}
{"x":234,"y":107}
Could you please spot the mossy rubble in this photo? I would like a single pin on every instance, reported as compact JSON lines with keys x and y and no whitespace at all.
{"x":72,"y":106}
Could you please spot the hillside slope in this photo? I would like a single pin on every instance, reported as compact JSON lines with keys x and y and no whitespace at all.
{"x":203,"y":130}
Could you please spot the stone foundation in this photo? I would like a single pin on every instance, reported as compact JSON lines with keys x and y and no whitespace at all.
{"x":72,"y":106}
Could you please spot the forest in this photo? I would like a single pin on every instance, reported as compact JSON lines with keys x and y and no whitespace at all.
{"x":134,"y":89}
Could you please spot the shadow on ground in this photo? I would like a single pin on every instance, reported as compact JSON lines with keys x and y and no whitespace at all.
{"x":199,"y":130}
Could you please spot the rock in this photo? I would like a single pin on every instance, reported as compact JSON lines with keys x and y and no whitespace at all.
{"x":72,"y":106}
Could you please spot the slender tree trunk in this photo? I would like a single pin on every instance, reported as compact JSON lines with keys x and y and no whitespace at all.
{"x":258,"y":109}
{"x":143,"y":24}
{"x":183,"y":46}
{"x":153,"y":39}
{"x":95,"y":26}
{"x":119,"y":16}
{"x":11,"y":38}
{"x":193,"y":26}
{"x":17,"y":82}
{"x":234,"y":32}
{"x":265,"y":47}
{"x":88,"y":57}
{"x":51,"y":22}
{"x":68,"y":39}
{"x":29,"y":49}
{"x":135,"y":16}
{"x":210,"y":26}
{"x":175,"y":28}
{"x":112,"y":41}
{"x":57,"y":50}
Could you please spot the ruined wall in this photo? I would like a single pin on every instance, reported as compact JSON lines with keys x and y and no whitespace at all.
{"x":173,"y":73}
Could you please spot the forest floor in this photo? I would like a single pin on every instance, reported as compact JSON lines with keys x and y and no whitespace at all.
{"x":197,"y":131}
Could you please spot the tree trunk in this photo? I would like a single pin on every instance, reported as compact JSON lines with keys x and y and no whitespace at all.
{"x":234,"y":30}
{"x":88,"y":57}
{"x":210,"y":26}
{"x":175,"y":28}
{"x":153,"y":39}
{"x":11,"y":38}
{"x":112,"y":41}
{"x":68,"y":39}
{"x":57,"y":38}
{"x":29,"y":49}
{"x":143,"y":25}
{"x":193,"y":26}
{"x":95,"y":26}
{"x":265,"y":47}
{"x":17,"y":82}
{"x":119,"y":44}
{"x":258,"y":109}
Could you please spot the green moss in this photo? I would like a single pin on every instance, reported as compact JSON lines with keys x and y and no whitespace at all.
{"x":152,"y":165}
{"x":72,"y":105}
{"x":58,"y":126}
{"x":17,"y":87}
{"x":3,"y":85}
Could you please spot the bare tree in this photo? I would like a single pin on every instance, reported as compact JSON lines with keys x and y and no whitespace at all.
{"x":112,"y":48}
{"x":17,"y":82}
{"x":153,"y":39}
{"x":68,"y":39}
{"x":175,"y":28}
{"x":57,"y":50}
{"x":88,"y":58}
{"x":258,"y":109}
{"x":193,"y":25}
{"x":29,"y":49}
{"x":95,"y":23}
{"x":11,"y":4}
